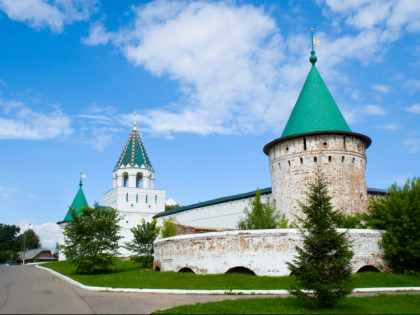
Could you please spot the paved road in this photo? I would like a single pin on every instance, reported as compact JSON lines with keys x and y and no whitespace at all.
{"x":30,"y":290}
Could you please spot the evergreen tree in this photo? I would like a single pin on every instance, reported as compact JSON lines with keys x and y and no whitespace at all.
{"x":91,"y":239}
{"x":322,"y":265}
{"x":142,"y":244}
{"x":259,"y":215}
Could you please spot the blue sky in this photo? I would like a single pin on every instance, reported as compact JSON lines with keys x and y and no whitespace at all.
{"x":212,"y":83}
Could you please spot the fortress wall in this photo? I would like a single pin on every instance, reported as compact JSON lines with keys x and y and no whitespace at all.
{"x":265,"y":252}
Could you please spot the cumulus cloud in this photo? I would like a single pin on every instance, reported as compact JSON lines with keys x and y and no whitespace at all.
{"x":170,"y":202}
{"x":381,"y":88}
{"x":414,"y":109}
{"x":229,"y":59}
{"x":53,"y":14}
{"x":17,"y":121}
{"x":49,"y":232}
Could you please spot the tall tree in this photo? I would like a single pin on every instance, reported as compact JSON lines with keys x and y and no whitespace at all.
{"x":29,"y":239}
{"x":142,"y":244}
{"x":91,"y":239}
{"x":323,"y":264}
{"x":398,"y":213}
{"x":259,"y":215}
{"x":8,"y":236}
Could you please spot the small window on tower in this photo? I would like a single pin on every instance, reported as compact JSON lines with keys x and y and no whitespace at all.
{"x":155,"y":198}
{"x":315,"y":159}
{"x":126,"y":197}
{"x":146,"y":198}
{"x":137,"y":198}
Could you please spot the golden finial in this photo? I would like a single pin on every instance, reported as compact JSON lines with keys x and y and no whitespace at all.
{"x":135,"y":125}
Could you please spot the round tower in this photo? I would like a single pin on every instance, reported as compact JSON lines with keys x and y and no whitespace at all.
{"x":317,"y":138}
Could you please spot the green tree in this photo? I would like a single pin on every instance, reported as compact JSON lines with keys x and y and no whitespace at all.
{"x":91,"y":239}
{"x":171,"y":207}
{"x":259,"y":215}
{"x":169,"y":227}
{"x":398,"y":213}
{"x":29,"y":239}
{"x":322,"y":265}
{"x":8,"y":236}
{"x":142,"y":244}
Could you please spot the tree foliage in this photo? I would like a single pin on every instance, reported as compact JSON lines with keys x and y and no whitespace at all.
{"x":91,"y":239}
{"x":29,"y":239}
{"x":8,"y":236}
{"x":142,"y":244}
{"x":259,"y":215}
{"x":322,"y":265}
{"x":398,"y":213}
{"x":169,"y":227}
{"x":171,"y":207}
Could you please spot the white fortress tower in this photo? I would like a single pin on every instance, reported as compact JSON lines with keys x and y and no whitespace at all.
{"x":317,"y":137}
{"x":133,"y":193}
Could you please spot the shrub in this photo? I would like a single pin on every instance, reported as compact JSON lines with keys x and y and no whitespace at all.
{"x":398,"y":213}
{"x":142,"y":244}
{"x":169,"y":227}
{"x":260,"y":215}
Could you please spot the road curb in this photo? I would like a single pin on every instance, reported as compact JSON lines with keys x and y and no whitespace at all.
{"x":216,"y":292}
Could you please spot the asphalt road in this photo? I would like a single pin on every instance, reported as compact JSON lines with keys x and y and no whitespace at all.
{"x":30,"y":290}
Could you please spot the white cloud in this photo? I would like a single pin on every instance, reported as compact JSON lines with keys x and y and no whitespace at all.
{"x":389,"y":127}
{"x":413,"y":84}
{"x":20,"y":122}
{"x":170,"y":202}
{"x":44,"y":13}
{"x":412,"y":145}
{"x":49,"y":232}
{"x":374,"y":110}
{"x":414,"y":109}
{"x":381,"y":88}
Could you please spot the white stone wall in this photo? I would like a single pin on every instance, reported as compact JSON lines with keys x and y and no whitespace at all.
{"x":341,"y":158}
{"x":131,"y":204}
{"x":265,"y":252}
{"x":222,"y":215}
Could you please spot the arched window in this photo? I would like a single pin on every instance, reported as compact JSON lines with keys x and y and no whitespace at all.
{"x":126,"y":197}
{"x":137,"y":198}
{"x":139,"y":180}
{"x":155,"y":198}
{"x":125,"y":180}
{"x":146,"y":198}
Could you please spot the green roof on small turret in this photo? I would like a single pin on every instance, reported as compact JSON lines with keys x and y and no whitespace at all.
{"x":315,"y":109}
{"x":134,"y":153}
{"x":78,"y":203}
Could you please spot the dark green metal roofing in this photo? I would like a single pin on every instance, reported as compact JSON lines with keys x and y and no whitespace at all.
{"x":315,"y":109}
{"x":212,"y":202}
{"x":253,"y":193}
{"x":77,"y":204}
{"x":134,"y":152}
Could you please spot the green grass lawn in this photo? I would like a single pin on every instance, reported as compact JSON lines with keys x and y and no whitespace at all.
{"x":129,"y":275}
{"x":381,"y":304}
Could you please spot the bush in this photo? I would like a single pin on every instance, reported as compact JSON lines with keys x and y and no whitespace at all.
{"x":260,"y":215}
{"x":398,"y":213}
{"x":169,"y":227}
{"x":142,"y":244}
{"x":91,"y":239}
{"x":323,"y":264}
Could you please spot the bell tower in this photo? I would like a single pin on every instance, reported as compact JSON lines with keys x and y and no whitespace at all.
{"x":133,"y":193}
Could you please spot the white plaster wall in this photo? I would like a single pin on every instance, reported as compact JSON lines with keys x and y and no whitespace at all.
{"x":223,"y":215}
{"x":135,"y":209}
{"x":61,"y":255}
{"x":265,"y":252}
{"x":342,"y":160}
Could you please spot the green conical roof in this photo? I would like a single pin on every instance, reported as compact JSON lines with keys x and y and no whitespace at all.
{"x":315,"y":109}
{"x":77,"y":204}
{"x":134,"y":152}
